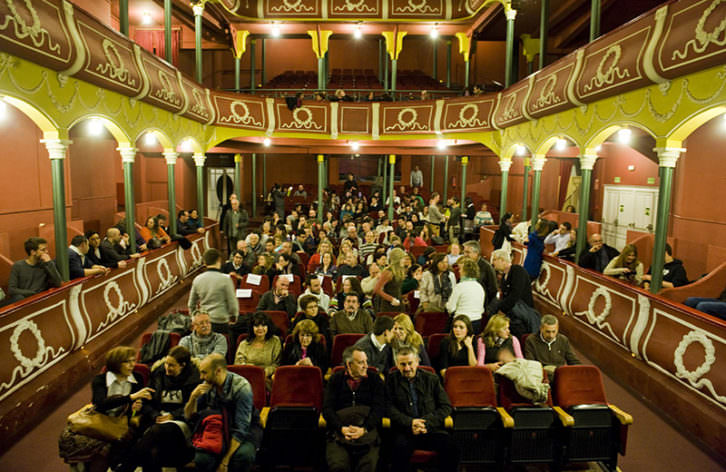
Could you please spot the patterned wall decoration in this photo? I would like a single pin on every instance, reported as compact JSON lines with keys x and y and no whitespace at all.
{"x":295,"y":8}
{"x":309,"y":118}
{"x":164,"y":84}
{"x":418,"y":8}
{"x":198,"y":105}
{"x":355,"y":8}
{"x":407,"y":118}
{"x":548,"y":93}
{"x":509,"y":109}
{"x":240,"y":111}
{"x":474,"y":114}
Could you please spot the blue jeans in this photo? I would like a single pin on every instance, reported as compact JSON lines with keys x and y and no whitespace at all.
{"x":711,"y":306}
{"x":241,"y":460}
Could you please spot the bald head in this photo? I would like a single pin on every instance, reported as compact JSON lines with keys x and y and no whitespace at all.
{"x":113,"y":234}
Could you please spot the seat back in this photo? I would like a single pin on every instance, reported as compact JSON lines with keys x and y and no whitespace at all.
{"x":297,"y":386}
{"x":340,"y":342}
{"x":413,"y":301}
{"x":470,"y":386}
{"x":144,"y":371}
{"x":327,"y":285}
{"x":434,"y":347}
{"x":255,"y":375}
{"x":509,"y":397}
{"x":428,"y":323}
{"x":578,"y":385}
{"x":249,"y":305}
{"x":260,"y":288}
{"x":390,"y":314}
{"x":281,"y":320}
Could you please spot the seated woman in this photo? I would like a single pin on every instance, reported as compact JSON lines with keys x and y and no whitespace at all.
{"x":483,"y":217}
{"x":404,"y":334}
{"x":350,"y":285}
{"x":307,"y":347}
{"x":437,"y":284}
{"x":467,"y":297}
{"x":458,"y":347}
{"x":327,"y":266}
{"x":152,"y":230}
{"x":412,"y":280}
{"x":315,"y":259}
{"x":164,"y":444}
{"x":263,"y":265}
{"x":310,"y":311}
{"x":261,"y":348}
{"x":496,"y":336}
{"x":626,"y":266}
{"x":284,"y":264}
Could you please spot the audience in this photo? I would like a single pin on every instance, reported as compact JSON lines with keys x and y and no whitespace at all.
{"x":184,"y":226}
{"x":437,"y":284}
{"x":483,"y":218}
{"x":493,"y":338}
{"x":503,"y":233}
{"x":598,"y":255}
{"x":487,"y":276}
{"x":307,"y":347}
{"x":153,"y":234}
{"x":467,"y":297}
{"x":234,"y":225}
{"x":115,"y":250}
{"x":79,"y":264}
{"x":674,"y":274}
{"x":387,"y":294}
{"x":351,"y":319}
{"x":35,"y":273}
{"x":711,"y":306}
{"x":560,"y":238}
{"x":278,"y":298}
{"x":203,"y":341}
{"x":309,"y":305}
{"x":235,"y":267}
{"x":516,"y":300}
{"x":213,"y":293}
{"x":404,"y":334}
{"x":314,"y":288}
{"x":535,"y":248}
{"x":377,"y":344}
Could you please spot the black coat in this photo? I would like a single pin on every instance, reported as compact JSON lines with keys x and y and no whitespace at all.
{"x":592,"y":260}
{"x":316,"y":352}
{"x":433,"y":403}
{"x":338,"y":395}
{"x":515,"y":286}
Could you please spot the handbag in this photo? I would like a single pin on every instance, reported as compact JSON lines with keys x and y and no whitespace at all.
{"x":89,"y":422}
{"x":210,"y":432}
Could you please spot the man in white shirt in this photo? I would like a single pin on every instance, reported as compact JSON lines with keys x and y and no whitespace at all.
{"x":315,"y":289}
{"x":560,"y":237}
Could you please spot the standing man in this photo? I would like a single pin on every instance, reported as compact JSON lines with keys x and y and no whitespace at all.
{"x":516,"y":289}
{"x":33,"y":274}
{"x":436,"y":218}
{"x":416,"y":177}
{"x":417,"y":405}
{"x":551,"y":348}
{"x":235,"y":224}
{"x":214,"y":292}
{"x":222,"y":390}
{"x":353,"y":407}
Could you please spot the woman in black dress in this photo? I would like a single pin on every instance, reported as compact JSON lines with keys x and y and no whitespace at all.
{"x":458,"y":348}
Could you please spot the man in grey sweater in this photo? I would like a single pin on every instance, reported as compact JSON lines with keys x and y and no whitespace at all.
{"x":213,"y":291}
{"x":34,"y":274}
{"x":203,"y":342}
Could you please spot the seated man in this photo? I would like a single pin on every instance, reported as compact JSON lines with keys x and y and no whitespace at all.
{"x":113,"y":252}
{"x":560,"y":237}
{"x":79,"y":264}
{"x":711,"y":306}
{"x":300,"y":192}
{"x":203,"y":342}
{"x":351,"y":319}
{"x":598,"y":255}
{"x":376,"y":344}
{"x":233,"y":393}
{"x":417,"y":404}
{"x":184,"y":226}
{"x":674,"y":274}
{"x":351,"y":266}
{"x":235,"y":266}
{"x":353,"y":406}
{"x":315,"y":289}
{"x":551,"y":348}
{"x":33,"y":274}
{"x":279,"y":298}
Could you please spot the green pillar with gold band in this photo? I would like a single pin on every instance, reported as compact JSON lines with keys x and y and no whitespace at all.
{"x":57,"y":149}
{"x":253,"y":56}
{"x":239,"y":41}
{"x":321,"y":183}
{"x":391,"y":175}
{"x":464,"y":163}
{"x":433,"y":171}
{"x":511,"y":14}
{"x":587,"y":163}
{"x":667,"y":159}
{"x":384,"y":192}
{"x":544,"y":17}
{"x":448,"y":64}
{"x":171,"y":157}
{"x":199,"y":159}
{"x":320,"y":48}
{"x":465,"y":50}
{"x":538,"y":163}
{"x":128,"y":157}
{"x":238,"y":175}
{"x":525,"y":189}
{"x":504,"y":165}
{"x":167,"y":31}
{"x":394,"y":45}
{"x":198,"y":9}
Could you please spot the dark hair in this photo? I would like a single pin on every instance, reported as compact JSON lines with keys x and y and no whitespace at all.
{"x":453,"y":343}
{"x":412,"y":270}
{"x":117,"y":356}
{"x":506,"y":217}
{"x":258,"y":319}
{"x":181,"y":355}
{"x":669,"y":249}
{"x":236,"y":252}
{"x":382,"y":324}
{"x":181,"y":213}
{"x":355,"y":286}
{"x":306,"y":299}
{"x":78,"y":240}
{"x":435,"y":259}
{"x":567,"y":225}
{"x":90,"y":233}
{"x":211,"y":256}
{"x":32,"y":244}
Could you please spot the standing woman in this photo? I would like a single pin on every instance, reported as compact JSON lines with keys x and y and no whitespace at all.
{"x":503,"y":233}
{"x":535,"y":249}
{"x":468,"y":297}
{"x":437,"y":284}
{"x":261,"y":348}
{"x":457,"y":349}
{"x":495,"y":337}
{"x":387,"y":294}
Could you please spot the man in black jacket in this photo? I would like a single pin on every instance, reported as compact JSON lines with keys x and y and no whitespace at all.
{"x":279,"y":298}
{"x":353,"y":406}
{"x":516,"y":287}
{"x":417,"y":405}
{"x":598,"y":255}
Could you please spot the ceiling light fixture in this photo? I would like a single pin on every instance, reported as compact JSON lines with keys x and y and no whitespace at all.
{"x":521,"y":150}
{"x":441,"y":144}
{"x":624,"y":135}
{"x":150,"y":138}
{"x":598,"y":148}
{"x":434,"y":33}
{"x":146,"y":18}
{"x":355,"y":146}
{"x":357,"y":33}
{"x":95,"y":127}
{"x":275,"y":30}
{"x":561,"y":144}
{"x":266,"y":142}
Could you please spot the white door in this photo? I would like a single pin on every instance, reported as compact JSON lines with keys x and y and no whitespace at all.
{"x":627,"y":207}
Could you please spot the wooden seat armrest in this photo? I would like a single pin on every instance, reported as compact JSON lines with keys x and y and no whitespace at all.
{"x":386,"y":422}
{"x":623,"y":417}
{"x":263,"y":416}
{"x":507,"y":420}
{"x":321,"y":422}
{"x":449,"y":422}
{"x":566,"y":419}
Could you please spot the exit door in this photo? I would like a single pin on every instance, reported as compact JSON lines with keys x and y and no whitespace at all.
{"x":627,"y":208}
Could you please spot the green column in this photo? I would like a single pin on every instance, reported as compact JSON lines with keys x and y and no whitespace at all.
{"x":587,"y":163}
{"x":446,"y":179}
{"x":321,"y":183}
{"x":263,"y":79}
{"x":57,"y":152}
{"x":321,"y":73}
{"x":544,"y":18}
{"x":199,"y":159}
{"x":128,"y":156}
{"x":464,"y":163}
{"x":252,"y":65}
{"x":171,"y":157}
{"x":537,"y":165}
{"x":595,"y":21}
{"x":237,"y":64}
{"x":123,"y":14}
{"x":433,"y":171}
{"x":167,"y":30}
{"x":238,"y":175}
{"x":392,"y":175}
{"x":394,"y":67}
{"x":435,"y":59}
{"x":525,"y":189}
{"x":254,"y":185}
{"x":381,"y":59}
{"x":466,"y":73}
{"x":667,"y":158}
{"x":510,"y":57}
{"x":504,"y":165}
{"x":198,"y":12}
{"x":385,"y":73}
{"x":448,"y":64}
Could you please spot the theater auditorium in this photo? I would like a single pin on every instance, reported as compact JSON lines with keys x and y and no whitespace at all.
{"x":362,"y":235}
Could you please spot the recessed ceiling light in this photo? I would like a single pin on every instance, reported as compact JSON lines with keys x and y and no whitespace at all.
{"x":624,"y":136}
{"x":434,"y":33}
{"x":150,"y":138}
{"x":561,"y":144}
{"x":441,"y":144}
{"x":355,"y":146}
{"x":95,"y":127}
{"x":275,"y":30}
{"x":521,"y":150}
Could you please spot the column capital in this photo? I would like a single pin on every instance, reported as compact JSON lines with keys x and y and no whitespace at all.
{"x":198,"y":8}
{"x":170,"y":157}
{"x":391,"y":158}
{"x":668,"y":156}
{"x":527,"y":162}
{"x":199,"y":159}
{"x":587,"y":161}
{"x":510,"y":13}
{"x":57,"y":148}
{"x":464,"y":160}
{"x":237,"y":158}
{"x":128,"y":154}
{"x":505,"y":165}
{"x":321,"y":158}
{"x":538,"y":163}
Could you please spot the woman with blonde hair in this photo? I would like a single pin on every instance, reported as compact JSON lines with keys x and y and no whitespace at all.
{"x":495,"y":337}
{"x":264,"y":264}
{"x":387,"y":294}
{"x":404,"y":334}
{"x":626,"y":266}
